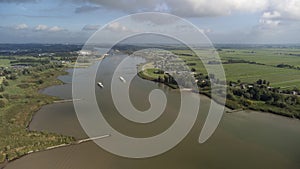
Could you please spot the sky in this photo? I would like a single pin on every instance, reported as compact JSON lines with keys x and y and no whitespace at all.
{"x":223,"y":21}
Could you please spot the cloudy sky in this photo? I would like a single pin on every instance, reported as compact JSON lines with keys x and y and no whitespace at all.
{"x":224,"y":21}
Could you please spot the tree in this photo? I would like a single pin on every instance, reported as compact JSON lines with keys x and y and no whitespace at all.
{"x":259,"y":81}
{"x":40,"y":81}
{"x":2,"y":103}
{"x":159,"y":79}
{"x":247,"y":95}
{"x":276,"y":97}
{"x":238,"y":92}
{"x":265,"y":96}
{"x":264,"y":82}
{"x":166,"y":79}
{"x":255,"y":92}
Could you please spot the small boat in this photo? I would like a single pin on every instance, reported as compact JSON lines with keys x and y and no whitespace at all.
{"x":100,"y":84}
{"x":122,"y":79}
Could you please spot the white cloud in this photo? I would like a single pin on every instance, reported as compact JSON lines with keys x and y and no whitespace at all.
{"x":117,"y":27}
{"x":270,"y":9}
{"x":199,"y":8}
{"x":280,"y":12}
{"x":55,"y":29}
{"x":156,"y":19}
{"x":21,"y":26}
{"x":41,"y":27}
{"x":268,"y":23}
{"x":49,"y":29}
{"x":271,"y":15}
{"x":187,"y":8}
{"x":289,"y":9}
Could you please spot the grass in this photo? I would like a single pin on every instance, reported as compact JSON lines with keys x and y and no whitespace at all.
{"x":278,"y":77}
{"x":151,"y":73}
{"x":266,"y":69}
{"x":22,"y":103}
{"x":265,"y":56}
{"x":1,"y":79}
{"x":4,"y":62}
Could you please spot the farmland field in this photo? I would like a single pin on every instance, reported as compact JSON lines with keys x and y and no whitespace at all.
{"x":265,"y":67}
{"x":279,"y":77}
{"x":265,"y":56}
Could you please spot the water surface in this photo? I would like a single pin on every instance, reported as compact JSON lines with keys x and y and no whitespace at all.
{"x":245,"y":140}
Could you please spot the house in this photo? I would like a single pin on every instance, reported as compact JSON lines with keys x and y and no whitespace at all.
{"x":232,"y":84}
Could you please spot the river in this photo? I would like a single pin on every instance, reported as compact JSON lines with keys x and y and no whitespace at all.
{"x":244,"y":139}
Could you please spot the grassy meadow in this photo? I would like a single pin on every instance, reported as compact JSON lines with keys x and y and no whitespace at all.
{"x":22,"y":100}
{"x":265,"y":67}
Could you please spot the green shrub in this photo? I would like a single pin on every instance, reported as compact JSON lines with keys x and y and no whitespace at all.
{"x":232,"y":104}
{"x":40,"y":81}
{"x":23,"y":85}
{"x":3,"y":103}
{"x":1,"y":88}
{"x":5,"y":83}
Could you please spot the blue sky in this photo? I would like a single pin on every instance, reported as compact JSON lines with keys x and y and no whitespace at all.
{"x":224,"y":21}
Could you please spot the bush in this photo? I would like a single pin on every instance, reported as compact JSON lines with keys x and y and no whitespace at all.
{"x":230,"y":96}
{"x":232,"y":104}
{"x":279,"y":104}
{"x":191,"y":64}
{"x":1,"y":88}
{"x":5,"y":82}
{"x":245,"y":102}
{"x":23,"y":85}
{"x":40,"y":81}
{"x":3,"y":103}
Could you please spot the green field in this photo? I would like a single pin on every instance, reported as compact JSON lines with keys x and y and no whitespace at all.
{"x":4,"y":62}
{"x":266,"y":56}
{"x":279,"y":77}
{"x":19,"y":101}
{"x":266,"y":59}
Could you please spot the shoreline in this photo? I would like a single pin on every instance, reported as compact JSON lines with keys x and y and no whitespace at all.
{"x":55,"y":100}
{"x":39,"y":90}
{"x":144,"y":76}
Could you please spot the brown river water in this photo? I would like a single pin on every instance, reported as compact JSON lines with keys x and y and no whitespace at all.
{"x":243,"y":140}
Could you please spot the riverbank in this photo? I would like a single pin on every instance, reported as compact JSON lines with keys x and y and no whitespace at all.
{"x":145,"y":71}
{"x":23,"y":100}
